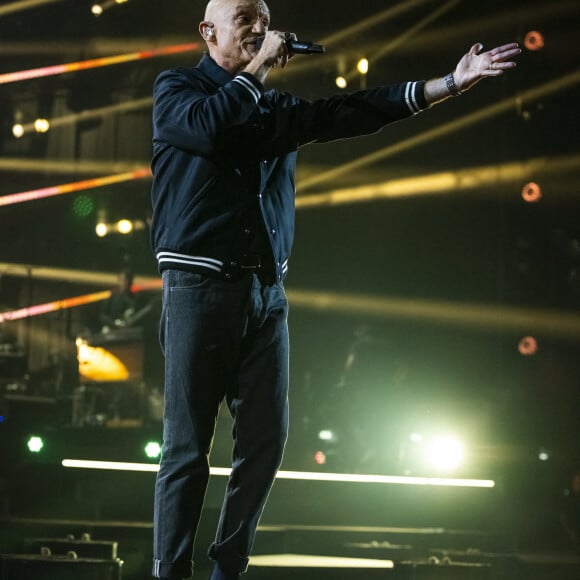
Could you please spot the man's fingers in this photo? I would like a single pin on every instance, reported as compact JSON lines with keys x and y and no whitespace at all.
{"x":476,"y":48}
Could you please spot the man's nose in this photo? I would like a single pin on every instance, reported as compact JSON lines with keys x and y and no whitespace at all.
{"x":259,"y":28}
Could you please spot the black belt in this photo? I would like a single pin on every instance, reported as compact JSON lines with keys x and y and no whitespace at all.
{"x":256,"y":263}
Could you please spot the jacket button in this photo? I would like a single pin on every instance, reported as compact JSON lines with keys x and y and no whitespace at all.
{"x":273,"y":232}
{"x":247,"y":231}
{"x":233,"y":264}
{"x":227,"y":276}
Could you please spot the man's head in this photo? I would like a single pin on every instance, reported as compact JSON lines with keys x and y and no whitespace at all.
{"x":230,"y":29}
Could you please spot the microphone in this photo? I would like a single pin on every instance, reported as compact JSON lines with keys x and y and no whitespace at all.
{"x":298,"y":46}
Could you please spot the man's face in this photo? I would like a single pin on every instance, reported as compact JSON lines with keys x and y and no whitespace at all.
{"x":236,"y":26}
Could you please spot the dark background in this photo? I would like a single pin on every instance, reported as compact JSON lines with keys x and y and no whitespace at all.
{"x":481,"y":246}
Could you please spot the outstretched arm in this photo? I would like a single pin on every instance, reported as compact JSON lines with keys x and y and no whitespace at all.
{"x":473,"y":66}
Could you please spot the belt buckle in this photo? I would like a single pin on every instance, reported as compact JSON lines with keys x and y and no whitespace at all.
{"x":251,"y":262}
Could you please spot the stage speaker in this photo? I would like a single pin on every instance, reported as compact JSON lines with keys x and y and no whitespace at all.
{"x":46,"y":566}
{"x":83,"y":547}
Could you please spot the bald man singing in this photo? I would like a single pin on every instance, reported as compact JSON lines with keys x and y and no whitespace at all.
{"x":224,"y":155}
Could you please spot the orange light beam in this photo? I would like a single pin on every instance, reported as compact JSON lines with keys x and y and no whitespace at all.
{"x":71,"y":302}
{"x":58,"y":69}
{"x":34,"y":194}
{"x":53,"y":306}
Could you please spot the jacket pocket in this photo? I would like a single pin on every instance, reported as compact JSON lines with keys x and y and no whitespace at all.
{"x":197,"y":195}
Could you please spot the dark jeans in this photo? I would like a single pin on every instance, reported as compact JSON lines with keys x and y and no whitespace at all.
{"x":221,"y":340}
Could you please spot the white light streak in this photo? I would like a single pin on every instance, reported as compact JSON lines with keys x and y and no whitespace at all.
{"x":295,"y":475}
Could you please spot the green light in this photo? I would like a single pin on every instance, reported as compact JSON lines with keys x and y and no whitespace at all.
{"x":153,"y":450}
{"x":35,"y":444}
{"x":83,"y":206}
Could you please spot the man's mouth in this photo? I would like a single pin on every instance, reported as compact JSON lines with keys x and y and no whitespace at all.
{"x":255,"y":43}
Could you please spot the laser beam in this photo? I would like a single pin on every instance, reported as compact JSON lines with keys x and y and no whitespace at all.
{"x":483,"y":114}
{"x":443,"y":182}
{"x":295,"y":475}
{"x":70,"y":302}
{"x":24,"y":5}
{"x":35,"y":194}
{"x":59,"y":69}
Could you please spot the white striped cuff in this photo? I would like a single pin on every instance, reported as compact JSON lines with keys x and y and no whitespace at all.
{"x":411,"y":97}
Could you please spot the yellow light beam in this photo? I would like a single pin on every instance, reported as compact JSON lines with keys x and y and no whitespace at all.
{"x":356,"y":28}
{"x":475,"y":27}
{"x":71,"y":166}
{"x":408,"y":34}
{"x":443,"y":182}
{"x":69,"y":275}
{"x":461,"y":30}
{"x":95,"y":63}
{"x":23,"y":5}
{"x":372,"y":21}
{"x":90,"y":114}
{"x":85,"y":184}
{"x":448,"y":128}
{"x":482,"y":316}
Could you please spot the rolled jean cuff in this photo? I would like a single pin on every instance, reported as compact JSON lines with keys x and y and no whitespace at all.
{"x":233,"y":565}
{"x":178,"y":570}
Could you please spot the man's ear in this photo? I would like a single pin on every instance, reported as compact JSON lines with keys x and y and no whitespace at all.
{"x":206,"y":29}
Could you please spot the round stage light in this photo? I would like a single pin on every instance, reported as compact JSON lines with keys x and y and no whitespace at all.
{"x":320,"y":457}
{"x":35,"y":444}
{"x":528,"y":346}
{"x":534,"y":40}
{"x":153,"y":450}
{"x":531,"y":192}
{"x":445,"y":453}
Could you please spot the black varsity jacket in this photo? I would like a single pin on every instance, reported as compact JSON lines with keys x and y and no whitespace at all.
{"x":224,"y":156}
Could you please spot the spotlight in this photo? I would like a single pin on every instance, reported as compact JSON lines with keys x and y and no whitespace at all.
{"x":327,"y":435}
{"x":543,"y":454}
{"x":341,"y":82}
{"x":153,"y":449}
{"x":528,"y":346}
{"x":35,"y":444}
{"x":41,"y":125}
{"x":445,"y":453}
{"x":320,"y":457}
{"x":101,"y":229}
{"x":531,"y":192}
{"x":363,"y":66}
{"x":124,"y":226}
{"x":534,"y":40}
{"x":98,"y":9}
{"x":18,"y":130}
